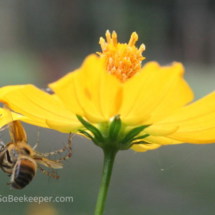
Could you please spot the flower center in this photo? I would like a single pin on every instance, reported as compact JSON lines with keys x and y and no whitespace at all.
{"x":121,"y":60}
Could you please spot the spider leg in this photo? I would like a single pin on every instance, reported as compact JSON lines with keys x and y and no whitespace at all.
{"x":38,"y":138}
{"x":68,"y":145}
{"x":70,"y":150}
{"x":53,"y":174}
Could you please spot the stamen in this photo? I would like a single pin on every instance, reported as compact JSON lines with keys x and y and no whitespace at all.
{"x":114,"y":38}
{"x":102,"y":43}
{"x":108,"y":37}
{"x":133,"y":39}
{"x":121,"y":60}
{"x":142,"y":48}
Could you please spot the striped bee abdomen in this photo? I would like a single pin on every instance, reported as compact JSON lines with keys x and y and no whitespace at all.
{"x":23,"y":172}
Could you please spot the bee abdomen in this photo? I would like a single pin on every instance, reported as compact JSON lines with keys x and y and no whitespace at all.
{"x":23,"y":172}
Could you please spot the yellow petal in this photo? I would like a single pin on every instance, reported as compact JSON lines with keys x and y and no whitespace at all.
{"x":6,"y":90}
{"x":4,"y":120}
{"x":110,"y":95}
{"x":88,"y":90}
{"x":199,"y":136}
{"x":66,"y":91}
{"x":195,"y":112}
{"x":134,"y":87}
{"x":195,"y":121}
{"x":37,"y":105}
{"x":96,"y":91}
{"x":63,"y":126}
{"x":158,"y":130}
{"x":74,"y":90}
{"x":39,"y":123}
{"x":155,"y":91}
{"x":161,"y":140}
{"x":144,"y":147}
{"x":155,"y":139}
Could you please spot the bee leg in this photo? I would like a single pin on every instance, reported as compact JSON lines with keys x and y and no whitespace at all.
{"x":8,"y":183}
{"x":70,"y":149}
{"x":38,"y":138}
{"x":54,"y":175}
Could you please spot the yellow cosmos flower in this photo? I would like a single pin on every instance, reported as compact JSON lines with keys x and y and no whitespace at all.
{"x":118,"y":104}
{"x":114,"y":87}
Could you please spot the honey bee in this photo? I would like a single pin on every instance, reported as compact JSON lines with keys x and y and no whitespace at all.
{"x":21,"y":161}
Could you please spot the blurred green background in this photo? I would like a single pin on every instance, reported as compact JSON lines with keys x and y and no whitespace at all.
{"x":42,"y":40}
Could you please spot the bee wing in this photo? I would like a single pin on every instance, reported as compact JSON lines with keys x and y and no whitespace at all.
{"x":20,"y":132}
{"x":48,"y":163}
{"x":17,"y":132}
{"x":10,"y":123}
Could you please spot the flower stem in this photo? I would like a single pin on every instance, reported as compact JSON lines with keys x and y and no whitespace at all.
{"x":109,"y":156}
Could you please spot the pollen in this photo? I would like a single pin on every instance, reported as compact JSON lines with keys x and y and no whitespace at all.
{"x":121,"y":60}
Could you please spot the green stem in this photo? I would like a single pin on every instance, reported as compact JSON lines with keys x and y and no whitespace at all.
{"x":109,"y":156}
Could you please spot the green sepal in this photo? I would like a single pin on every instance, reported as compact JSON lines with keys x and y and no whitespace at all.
{"x":140,"y":142}
{"x":98,"y":136}
{"x":140,"y":137}
{"x":134,"y":132}
{"x":86,"y":134}
{"x":89,"y":136}
{"x":115,"y":127}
